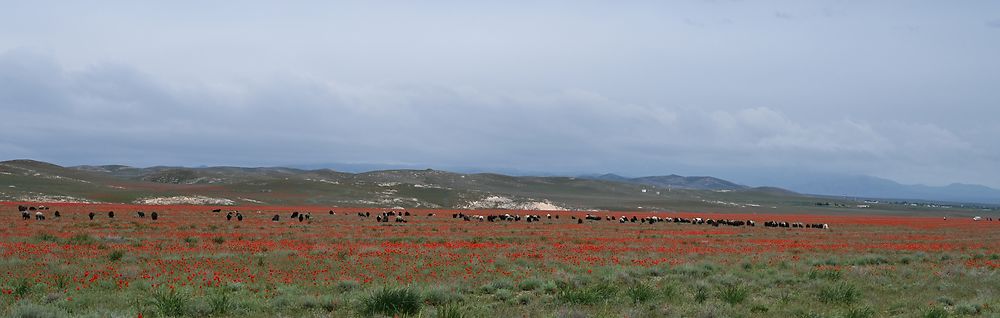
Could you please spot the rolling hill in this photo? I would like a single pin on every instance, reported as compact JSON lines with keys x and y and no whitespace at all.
{"x":27,"y":180}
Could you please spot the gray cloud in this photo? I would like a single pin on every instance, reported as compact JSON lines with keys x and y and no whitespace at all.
{"x":651,"y":87}
{"x":118,"y":114}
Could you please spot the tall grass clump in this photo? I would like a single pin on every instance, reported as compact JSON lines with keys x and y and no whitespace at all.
{"x":840,"y":293}
{"x":734,"y":294}
{"x":640,"y":293}
{"x":392,"y":302}
{"x":450,"y":311}
{"x":169,"y":303}
{"x":585,"y":295}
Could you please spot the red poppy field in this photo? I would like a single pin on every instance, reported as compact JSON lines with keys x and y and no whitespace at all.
{"x":194,"y":262}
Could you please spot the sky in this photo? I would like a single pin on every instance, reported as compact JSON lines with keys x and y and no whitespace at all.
{"x":905,"y":90}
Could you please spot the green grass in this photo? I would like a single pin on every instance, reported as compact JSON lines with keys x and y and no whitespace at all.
{"x":734,"y":294}
{"x":839,"y":293}
{"x":169,"y":303}
{"x":392,"y":302}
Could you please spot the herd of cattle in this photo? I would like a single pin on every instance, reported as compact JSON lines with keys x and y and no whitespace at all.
{"x":404,"y":216}
{"x":635,"y":219}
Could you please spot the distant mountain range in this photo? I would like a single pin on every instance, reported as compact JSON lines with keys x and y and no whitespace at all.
{"x":28,"y":180}
{"x":874,"y":187}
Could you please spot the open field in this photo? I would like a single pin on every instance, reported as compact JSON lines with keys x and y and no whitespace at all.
{"x":193,"y":262}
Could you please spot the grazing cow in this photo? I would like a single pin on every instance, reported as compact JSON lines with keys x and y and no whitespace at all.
{"x":217,"y":210}
{"x":579,"y":221}
{"x":368,"y":214}
{"x":111,"y":214}
{"x":331,"y":213}
{"x":21,"y":208}
{"x":31,"y":208}
{"x":141,"y":214}
{"x":301,"y":217}
{"x":430,"y":214}
{"x":406,"y":213}
{"x":295,"y":214}
{"x":275,"y":218}
{"x":91,"y":215}
{"x":154,"y":216}
{"x":57,"y":214}
{"x":400,"y":219}
{"x":229,"y":216}
{"x":39,"y":216}
{"x":25,"y":215}
{"x":239,"y":217}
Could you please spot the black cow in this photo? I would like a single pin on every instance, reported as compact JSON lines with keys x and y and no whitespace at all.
{"x":217,"y":210}
{"x":275,"y":218}
{"x":154,"y":216}
{"x":579,"y":221}
{"x":141,"y":214}
{"x":91,"y":215}
{"x":21,"y":208}
{"x":301,"y":217}
{"x":31,"y":208}
{"x":111,"y":214}
{"x":295,"y":214}
{"x":229,"y":216}
{"x":239,"y":217}
{"x":57,"y":214}
{"x":25,"y":215}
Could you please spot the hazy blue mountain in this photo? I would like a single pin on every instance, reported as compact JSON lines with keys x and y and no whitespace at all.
{"x":874,"y":187}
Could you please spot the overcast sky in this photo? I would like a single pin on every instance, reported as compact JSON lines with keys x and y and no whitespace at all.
{"x":907,"y":90}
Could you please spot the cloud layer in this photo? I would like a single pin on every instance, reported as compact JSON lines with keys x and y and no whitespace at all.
{"x":899,"y":90}
{"x":109,"y":113}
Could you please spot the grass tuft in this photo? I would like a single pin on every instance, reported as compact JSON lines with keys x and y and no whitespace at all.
{"x":734,"y":294}
{"x":640,"y":293}
{"x":392,"y":302}
{"x":169,"y":303}
{"x":840,"y":293}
